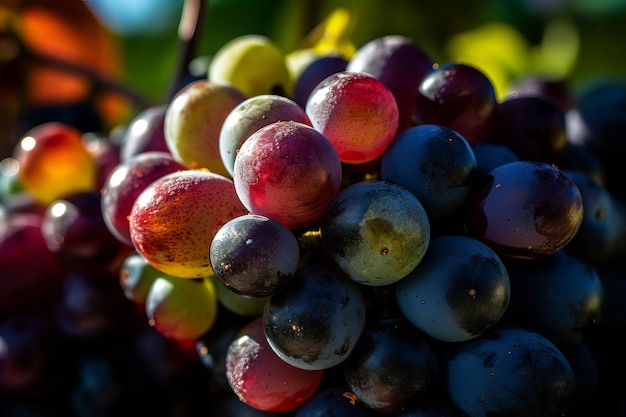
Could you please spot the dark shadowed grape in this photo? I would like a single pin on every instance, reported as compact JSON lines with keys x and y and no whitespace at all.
{"x":392,"y":367}
{"x":316,"y":71}
{"x":335,"y":402}
{"x":314,"y":321}
{"x":144,"y":133}
{"x":509,"y":372}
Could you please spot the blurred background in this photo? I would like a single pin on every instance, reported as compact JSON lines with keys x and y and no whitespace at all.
{"x":98,"y":62}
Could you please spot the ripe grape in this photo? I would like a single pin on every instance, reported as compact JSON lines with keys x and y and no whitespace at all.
{"x":399,"y":63}
{"x":458,"y":96}
{"x":434,"y":163}
{"x":336,"y":402}
{"x":356,"y":112}
{"x":459,"y":291}
{"x":254,"y":255}
{"x":378,"y":372}
{"x":193,"y":121}
{"x":144,"y":133}
{"x":559,"y":286}
{"x":179,"y":308}
{"x":174,"y":219}
{"x":314,"y":321}
{"x":532,"y":127}
{"x":136,"y":277}
{"x":251,"y":115}
{"x":124,"y":184}
{"x":540,"y":85}
{"x":54,"y":162}
{"x":289,"y":172}
{"x":376,"y":232}
{"x":524,"y":209}
{"x":509,"y":371}
{"x":314,"y":73}
{"x":260,"y":378}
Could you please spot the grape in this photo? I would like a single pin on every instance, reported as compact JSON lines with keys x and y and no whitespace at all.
{"x":376,"y":232}
{"x":509,"y":371}
{"x":601,"y":237}
{"x":180,"y":308}
{"x":251,"y":115}
{"x":561,"y":287}
{"x":491,"y":155}
{"x":175,"y":218}
{"x":458,"y":96}
{"x":597,"y":122}
{"x":193,"y":121}
{"x":236,"y":303}
{"x":541,"y":85}
{"x":31,"y":273}
{"x":314,"y":321}
{"x":260,"y":378}
{"x":336,"y":402}
{"x":124,"y":184}
{"x":145,"y":133}
{"x":254,"y":255}
{"x":288,"y":172}
{"x":459,"y":291}
{"x":356,"y":112}
{"x":136,"y":277}
{"x":314,"y":73}
{"x":400,"y":64}
{"x":74,"y":229}
{"x":524,"y":209}
{"x":253,"y":64}
{"x":378,"y":372}
{"x":54,"y":162}
{"x":434,"y":163}
{"x":532,"y":127}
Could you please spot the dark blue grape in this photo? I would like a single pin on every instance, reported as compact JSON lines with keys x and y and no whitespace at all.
{"x":393,"y":366}
{"x":435,"y":163}
{"x":314,"y":321}
{"x":491,"y":155}
{"x":459,"y":291}
{"x":510,"y":372}
{"x":558,"y":296}
{"x":253,"y":255}
{"x":334,"y":402}
{"x":316,"y":71}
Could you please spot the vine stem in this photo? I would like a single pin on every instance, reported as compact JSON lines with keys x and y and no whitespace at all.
{"x":188,"y":35}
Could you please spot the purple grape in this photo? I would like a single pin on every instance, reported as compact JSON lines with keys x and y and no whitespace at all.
{"x":314,"y":73}
{"x":145,"y":133}
{"x":458,"y":96}
{"x":400,"y":64}
{"x":524,"y":209}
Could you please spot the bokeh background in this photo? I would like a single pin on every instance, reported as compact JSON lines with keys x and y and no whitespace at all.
{"x":130,"y":49}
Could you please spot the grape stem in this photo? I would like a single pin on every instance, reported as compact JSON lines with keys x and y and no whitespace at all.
{"x":188,"y":35}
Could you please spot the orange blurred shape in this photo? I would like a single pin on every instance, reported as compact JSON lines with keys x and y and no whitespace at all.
{"x":54,"y":162}
{"x":67,"y":30}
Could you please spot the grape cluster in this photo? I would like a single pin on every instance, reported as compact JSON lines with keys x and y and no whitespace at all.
{"x":373,"y":235}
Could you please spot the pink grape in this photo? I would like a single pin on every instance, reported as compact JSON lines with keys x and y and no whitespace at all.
{"x":174,"y":220}
{"x":356,"y":112}
{"x":288,"y":172}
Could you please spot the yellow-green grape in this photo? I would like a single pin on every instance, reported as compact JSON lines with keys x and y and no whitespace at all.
{"x":193,"y":121}
{"x":54,"y":162}
{"x":252,"y":63}
{"x":238,"y":304}
{"x":181,"y":309}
